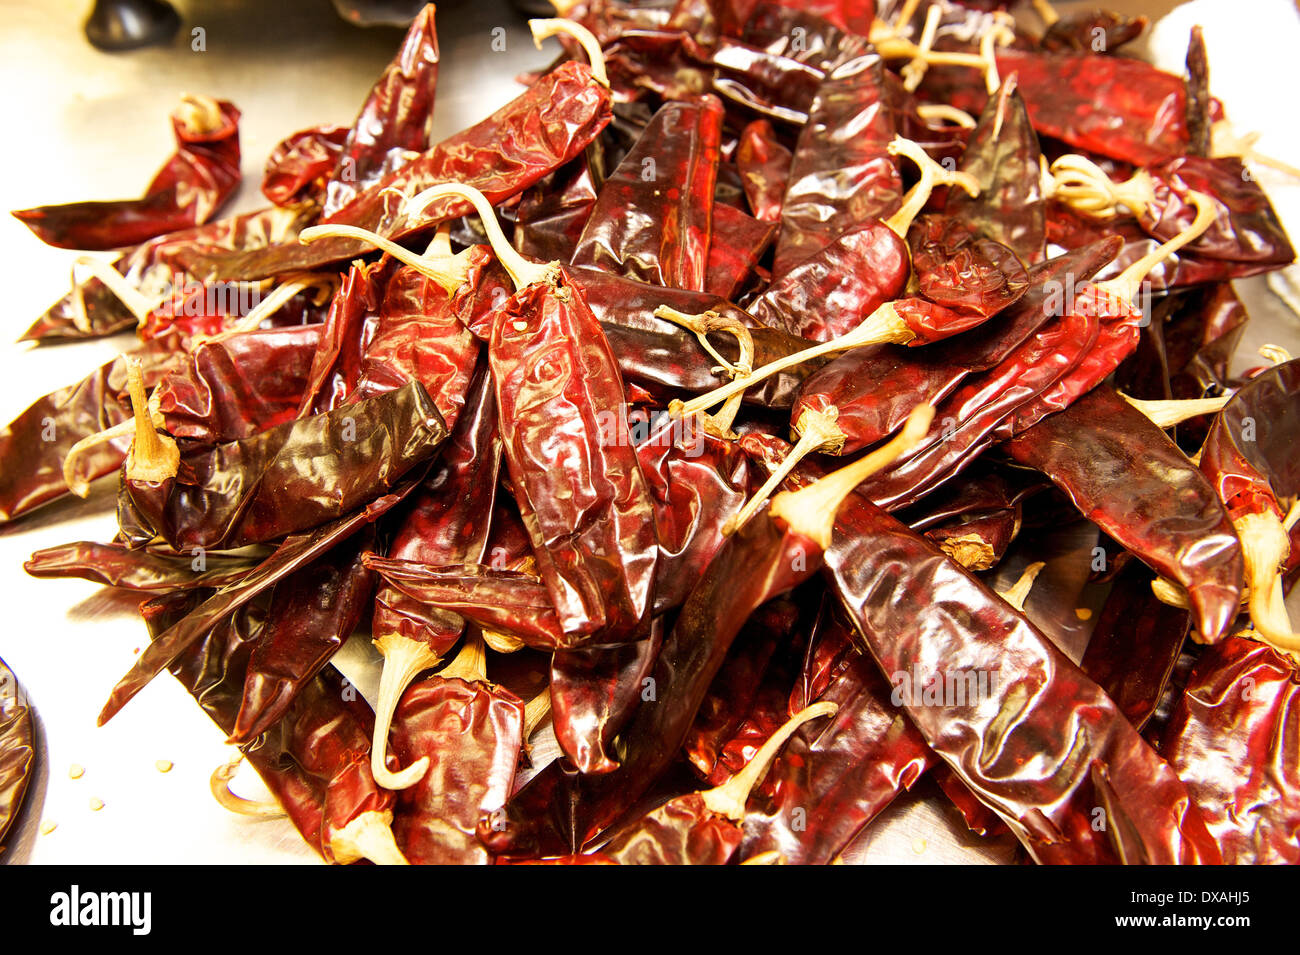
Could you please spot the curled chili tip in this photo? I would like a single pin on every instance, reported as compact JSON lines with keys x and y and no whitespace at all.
{"x":1264,"y":546}
{"x":404,"y":660}
{"x":944,"y":113}
{"x":730,"y":798}
{"x":1084,"y":186}
{"x":1166,"y":414}
{"x":817,"y":432}
{"x":1018,"y":593}
{"x":449,"y":273}
{"x":219,"y":783}
{"x":368,"y":836}
{"x":810,"y":511}
{"x":154,"y":456}
{"x":1126,"y":285}
{"x":547,"y":28}
{"x":522,"y":272}
{"x":932,"y":174}
{"x":883,"y":326}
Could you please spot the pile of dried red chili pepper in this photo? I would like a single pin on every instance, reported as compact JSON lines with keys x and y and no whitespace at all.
{"x":688,"y":408}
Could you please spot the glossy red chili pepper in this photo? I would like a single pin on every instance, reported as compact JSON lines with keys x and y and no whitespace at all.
{"x":116,"y":565}
{"x":842,"y":172}
{"x":312,"y":614}
{"x":753,"y":81}
{"x":194,"y":183}
{"x":17,"y":748}
{"x":1231,"y":741}
{"x":739,"y":242}
{"x":764,"y":163}
{"x":1044,"y":775}
{"x":553,"y":212}
{"x":958,"y":270}
{"x":1124,"y":474}
{"x":653,"y":216}
{"x":299,"y":167}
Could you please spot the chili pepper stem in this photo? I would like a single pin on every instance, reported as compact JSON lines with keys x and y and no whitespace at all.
{"x":1225,"y":142}
{"x":522,"y":272}
{"x":368,"y":836}
{"x":71,"y":476}
{"x":1128,"y":283}
{"x":535,"y":711}
{"x":440,"y":245}
{"x":1166,"y":414}
{"x":811,"y":510}
{"x":219,"y":783}
{"x":1083,"y":185}
{"x":1018,"y":593}
{"x":502,"y":642}
{"x":1045,"y":12}
{"x":710,"y":321}
{"x":542,"y":29}
{"x":450,"y":273}
{"x":770,"y":857}
{"x":932,"y":174}
{"x":264,"y":309}
{"x":404,"y":660}
{"x":882,"y":326}
{"x":1275,"y":354}
{"x":969,"y":550}
{"x":943,"y":112}
{"x":154,"y":456}
{"x":200,"y":115}
{"x":1264,"y":547}
{"x":729,"y":799}
{"x":470,"y":664}
{"x":817,"y":432}
{"x":136,"y":303}
{"x":914,"y":70}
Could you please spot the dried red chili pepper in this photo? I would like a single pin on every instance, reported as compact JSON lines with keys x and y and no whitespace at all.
{"x":1042,"y":773}
{"x":1231,"y":740}
{"x":395,"y":119}
{"x":1124,"y":474}
{"x":961,"y":271}
{"x":764,"y":164}
{"x":312,"y":613}
{"x":842,"y":172}
{"x":300,"y":166}
{"x":553,"y":212}
{"x":654,"y":215}
{"x":116,"y":565}
{"x":739,"y":242}
{"x":468,"y":731}
{"x":255,"y":489}
{"x":17,"y":748}
{"x":294,"y":553}
{"x":501,"y":156}
{"x":1092,"y":31}
{"x":194,"y":183}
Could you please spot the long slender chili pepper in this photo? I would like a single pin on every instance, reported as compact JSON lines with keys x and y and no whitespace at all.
{"x":448,"y":523}
{"x":294,"y":553}
{"x":1232,"y":741}
{"x":1128,"y":477}
{"x":501,"y":156}
{"x":194,"y":183}
{"x":652,"y":220}
{"x":557,"y":813}
{"x":468,"y":732}
{"x":116,"y":565}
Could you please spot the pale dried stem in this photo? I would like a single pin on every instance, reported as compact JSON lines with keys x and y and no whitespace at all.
{"x":404,"y":660}
{"x":542,"y":29}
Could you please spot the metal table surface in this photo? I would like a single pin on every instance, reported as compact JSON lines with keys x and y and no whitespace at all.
{"x":82,"y":124}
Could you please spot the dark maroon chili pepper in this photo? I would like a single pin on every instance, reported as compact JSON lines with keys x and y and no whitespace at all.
{"x":1003,"y":156}
{"x":553,"y":213}
{"x":1092,"y":31}
{"x":34,"y":445}
{"x":336,"y":366}
{"x":501,"y":156}
{"x":558,"y":811}
{"x":394,"y":120}
{"x":1124,"y":474}
{"x":299,"y":167}
{"x":654,"y":215}
{"x":1199,"y":101}
{"x":978,"y":542}
{"x":752,"y":81}
{"x":823,"y":34}
{"x":312,"y":613}
{"x":448,"y":522}
{"x":1135,"y":645}
{"x":236,"y":386}
{"x":187,"y":191}
{"x":468,"y":732}
{"x":294,"y":553}
{"x":1201,"y":336}
{"x":739,"y":242}
{"x":830,"y":645}
{"x":764,"y":164}
{"x":842,"y":172}
{"x":93,"y":309}
{"x":594,"y":691}
{"x":958,"y":270}
{"x":17,"y":748}
{"x":733,"y":691}
{"x":255,"y":489}
{"x":115,"y":565}
{"x":313,"y":761}
{"x":1231,"y":741}
{"x":1043,"y":773}
{"x":831,"y":782}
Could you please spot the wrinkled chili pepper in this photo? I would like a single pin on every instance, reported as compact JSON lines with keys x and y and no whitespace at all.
{"x":739,"y":242}
{"x":1232,"y":741}
{"x":256,"y":489}
{"x":17,"y":748}
{"x":653,"y":216}
{"x":1128,"y":477}
{"x":764,"y":163}
{"x":553,"y":212}
{"x":116,"y":565}
{"x":194,"y":183}
{"x":300,"y":166}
